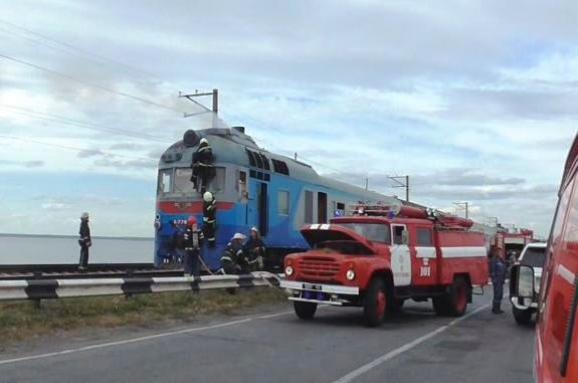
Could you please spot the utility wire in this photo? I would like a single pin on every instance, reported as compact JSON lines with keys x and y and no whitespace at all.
{"x":74,"y":79}
{"x":42,"y":39}
{"x":74,"y":148}
{"x":69,"y":121}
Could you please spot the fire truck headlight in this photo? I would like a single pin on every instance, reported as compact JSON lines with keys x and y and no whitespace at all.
{"x":350,"y":275}
{"x":289,"y":271}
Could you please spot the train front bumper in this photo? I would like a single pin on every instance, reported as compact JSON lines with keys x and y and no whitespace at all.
{"x":334,"y":295}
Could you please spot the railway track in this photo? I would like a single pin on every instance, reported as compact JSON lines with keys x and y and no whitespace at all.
{"x":116,"y":270}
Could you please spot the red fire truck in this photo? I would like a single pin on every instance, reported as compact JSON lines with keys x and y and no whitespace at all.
{"x":556,"y":352}
{"x":506,"y":241}
{"x":384,"y":255}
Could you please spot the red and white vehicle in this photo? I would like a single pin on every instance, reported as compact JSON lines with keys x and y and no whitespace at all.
{"x":556,"y":356}
{"x":512,"y":241}
{"x":383,"y":256}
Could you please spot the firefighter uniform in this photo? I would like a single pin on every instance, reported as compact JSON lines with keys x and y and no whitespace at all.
{"x":193,"y":241}
{"x":84,"y":241}
{"x":498,"y":273}
{"x":255,"y":250}
{"x":234,"y":260}
{"x":203,"y":168}
{"x":210,"y":218}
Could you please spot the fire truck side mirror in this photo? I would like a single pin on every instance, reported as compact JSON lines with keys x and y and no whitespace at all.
{"x":525,"y":281}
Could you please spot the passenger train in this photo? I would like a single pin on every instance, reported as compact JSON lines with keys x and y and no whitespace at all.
{"x":253,"y":188}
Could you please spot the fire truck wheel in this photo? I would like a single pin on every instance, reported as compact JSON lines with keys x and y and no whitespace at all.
{"x":305,"y":310}
{"x":522,"y":317}
{"x":455,"y":302}
{"x":458,"y":297}
{"x":375,"y":303}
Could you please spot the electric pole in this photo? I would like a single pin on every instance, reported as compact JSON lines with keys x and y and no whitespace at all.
{"x":401,"y":182}
{"x":191,"y":97}
{"x":465,"y":206}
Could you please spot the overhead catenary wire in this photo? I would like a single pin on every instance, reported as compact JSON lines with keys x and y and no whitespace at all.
{"x":83,"y":124}
{"x":41,"y":39}
{"x":87,"y":83}
{"x":76,"y":149}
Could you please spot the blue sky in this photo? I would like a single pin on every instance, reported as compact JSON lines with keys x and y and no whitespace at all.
{"x":474,"y":100}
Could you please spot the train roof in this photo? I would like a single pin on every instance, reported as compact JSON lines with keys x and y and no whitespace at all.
{"x":230,"y":145}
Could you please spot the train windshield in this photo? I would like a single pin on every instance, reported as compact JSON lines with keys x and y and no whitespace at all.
{"x":183,"y":184}
{"x":375,"y":232}
{"x":165,"y":181}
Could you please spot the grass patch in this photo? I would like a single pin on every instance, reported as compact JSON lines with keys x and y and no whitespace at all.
{"x":21,"y":320}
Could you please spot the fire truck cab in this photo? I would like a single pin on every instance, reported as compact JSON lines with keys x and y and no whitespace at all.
{"x":382,"y":256}
{"x":556,"y":352}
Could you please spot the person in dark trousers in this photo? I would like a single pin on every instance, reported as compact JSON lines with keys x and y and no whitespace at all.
{"x":210,"y":218}
{"x":233,"y":260}
{"x":177,"y":246}
{"x":193,"y":240}
{"x":255,"y":250}
{"x":84,"y":241}
{"x":498,"y":273}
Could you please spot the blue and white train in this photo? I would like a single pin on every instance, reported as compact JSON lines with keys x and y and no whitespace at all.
{"x":252,"y":187}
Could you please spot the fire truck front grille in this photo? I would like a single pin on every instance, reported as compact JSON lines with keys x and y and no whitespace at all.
{"x":318,"y":268}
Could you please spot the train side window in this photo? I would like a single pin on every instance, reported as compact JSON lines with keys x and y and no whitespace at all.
{"x":251,"y":156}
{"x":265,"y":162}
{"x":283,"y":202}
{"x":165,"y":181}
{"x":242,"y":186}
{"x":280,"y":167}
{"x":308,"y":206}
{"x":424,"y":236}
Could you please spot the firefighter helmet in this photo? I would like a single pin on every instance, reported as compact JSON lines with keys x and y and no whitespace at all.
{"x":204,"y":141}
{"x":84,"y":215}
{"x":208,"y":196}
{"x":191,"y":221}
{"x":239,"y":236}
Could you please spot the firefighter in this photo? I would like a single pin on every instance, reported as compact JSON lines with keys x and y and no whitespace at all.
{"x":193,"y":242}
{"x":255,"y":250}
{"x":233,"y":260}
{"x":84,"y":241}
{"x":498,"y":273}
{"x":203,"y":168}
{"x":177,"y":247}
{"x":210,"y":218}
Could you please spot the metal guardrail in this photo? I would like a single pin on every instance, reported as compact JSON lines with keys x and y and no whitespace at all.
{"x":68,"y":288}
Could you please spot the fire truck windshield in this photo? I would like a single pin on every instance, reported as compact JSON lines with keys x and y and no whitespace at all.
{"x":375,"y":232}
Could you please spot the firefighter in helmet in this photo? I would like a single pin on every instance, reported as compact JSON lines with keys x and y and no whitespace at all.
{"x":193,"y":241}
{"x":203,"y":168}
{"x":255,"y":250}
{"x":210,"y":218}
{"x":233,"y":260}
{"x":84,"y":241}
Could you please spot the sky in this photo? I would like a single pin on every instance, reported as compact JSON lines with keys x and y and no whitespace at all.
{"x":474,"y":100}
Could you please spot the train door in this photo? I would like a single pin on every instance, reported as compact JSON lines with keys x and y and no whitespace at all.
{"x":257,"y":207}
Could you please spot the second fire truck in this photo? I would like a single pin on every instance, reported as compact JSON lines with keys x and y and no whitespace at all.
{"x":381,"y":256}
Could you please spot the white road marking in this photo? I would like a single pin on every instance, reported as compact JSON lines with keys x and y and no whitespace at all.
{"x":139,"y":339}
{"x":274,"y":315}
{"x":406,"y":347}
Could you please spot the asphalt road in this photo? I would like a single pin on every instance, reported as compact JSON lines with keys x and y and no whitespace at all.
{"x":274,"y":346}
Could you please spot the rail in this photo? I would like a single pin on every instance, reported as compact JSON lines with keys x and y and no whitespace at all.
{"x":38,"y":289}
